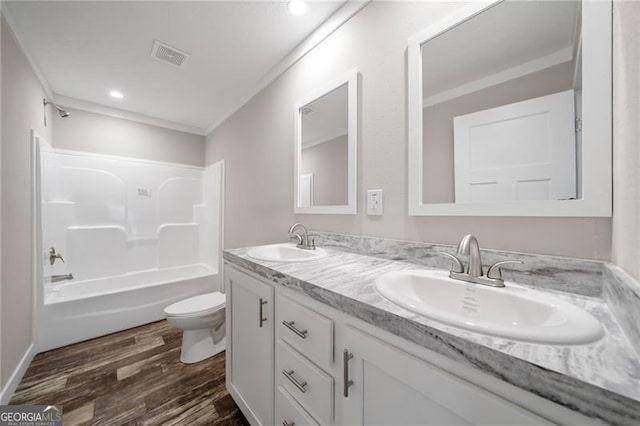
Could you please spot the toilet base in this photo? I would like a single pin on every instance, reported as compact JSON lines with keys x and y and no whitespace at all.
{"x":198,"y":345}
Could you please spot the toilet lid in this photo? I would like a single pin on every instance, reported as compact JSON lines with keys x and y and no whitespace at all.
{"x":202,"y":304}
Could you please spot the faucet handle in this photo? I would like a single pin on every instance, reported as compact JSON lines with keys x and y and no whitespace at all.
{"x":495,"y":271}
{"x":53,"y":256}
{"x":456,"y":263}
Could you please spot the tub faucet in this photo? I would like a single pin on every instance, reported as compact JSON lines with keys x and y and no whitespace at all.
{"x":302,"y":237}
{"x":53,"y":256}
{"x":473,"y":272}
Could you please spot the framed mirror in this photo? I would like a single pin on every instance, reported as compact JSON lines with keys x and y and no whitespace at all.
{"x":325,"y":149}
{"x":510,"y":111}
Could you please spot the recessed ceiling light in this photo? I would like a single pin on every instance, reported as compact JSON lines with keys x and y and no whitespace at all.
{"x":116,"y":94}
{"x":297,"y":7}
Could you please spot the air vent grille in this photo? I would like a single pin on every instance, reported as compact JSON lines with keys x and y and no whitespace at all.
{"x":165,"y":53}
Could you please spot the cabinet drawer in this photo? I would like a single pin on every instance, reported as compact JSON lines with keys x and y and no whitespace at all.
{"x":309,"y":385}
{"x":289,"y":412}
{"x":307,"y":331}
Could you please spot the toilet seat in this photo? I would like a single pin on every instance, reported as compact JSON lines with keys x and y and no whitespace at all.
{"x":199,"y":305}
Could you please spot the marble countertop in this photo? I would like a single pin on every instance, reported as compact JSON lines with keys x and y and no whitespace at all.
{"x":600,"y":380}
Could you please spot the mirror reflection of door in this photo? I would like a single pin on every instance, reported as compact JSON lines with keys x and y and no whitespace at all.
{"x":306,"y":190}
{"x":517,"y":152}
{"x":499,"y":105}
{"x":324,"y":154}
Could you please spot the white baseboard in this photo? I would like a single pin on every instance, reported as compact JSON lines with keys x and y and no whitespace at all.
{"x":16,"y":377}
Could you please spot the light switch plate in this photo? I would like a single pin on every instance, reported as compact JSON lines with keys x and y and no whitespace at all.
{"x":374,"y":202}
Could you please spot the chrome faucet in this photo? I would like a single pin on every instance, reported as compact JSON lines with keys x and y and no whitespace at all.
{"x":469,"y":246}
{"x":302,"y":237}
{"x":473,"y":273}
{"x":58,"y":278}
{"x":53,"y":256}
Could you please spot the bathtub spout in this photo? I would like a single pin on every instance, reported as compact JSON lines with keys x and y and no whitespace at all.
{"x":58,"y":278}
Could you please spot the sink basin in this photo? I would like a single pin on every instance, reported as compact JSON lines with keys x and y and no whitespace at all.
{"x":285,"y":253}
{"x":512,"y":312}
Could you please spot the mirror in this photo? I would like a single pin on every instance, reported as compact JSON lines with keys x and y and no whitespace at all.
{"x":510,"y":111}
{"x":325,"y":149}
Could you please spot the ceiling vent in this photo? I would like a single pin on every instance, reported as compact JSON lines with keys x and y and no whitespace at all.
{"x":307,"y":110}
{"x":165,"y":53}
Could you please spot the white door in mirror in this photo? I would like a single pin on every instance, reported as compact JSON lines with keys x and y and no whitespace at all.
{"x":517,"y":152}
{"x":374,"y":202}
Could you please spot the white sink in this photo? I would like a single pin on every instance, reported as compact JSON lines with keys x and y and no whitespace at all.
{"x":512,"y":312}
{"x":285,"y":253}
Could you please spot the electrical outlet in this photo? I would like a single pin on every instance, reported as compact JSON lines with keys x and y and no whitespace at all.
{"x":374,"y":202}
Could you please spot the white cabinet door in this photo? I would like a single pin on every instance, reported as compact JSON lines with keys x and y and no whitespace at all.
{"x":306,"y":190}
{"x":518,"y":152}
{"x":250,"y":352}
{"x":392,"y":387}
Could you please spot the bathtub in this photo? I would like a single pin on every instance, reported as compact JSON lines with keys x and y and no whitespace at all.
{"x":74,"y":311}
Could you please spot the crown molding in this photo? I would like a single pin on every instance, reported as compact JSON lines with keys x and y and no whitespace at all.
{"x":324,"y":138}
{"x":126,"y":115}
{"x":556,"y":58}
{"x":34,"y":66}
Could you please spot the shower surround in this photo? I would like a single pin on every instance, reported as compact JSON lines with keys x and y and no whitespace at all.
{"x":136,"y":236}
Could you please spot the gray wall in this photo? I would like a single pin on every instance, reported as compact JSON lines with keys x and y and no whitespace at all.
{"x":626,"y":134}
{"x":21,"y":111}
{"x":438,"y":178}
{"x":258,"y":158}
{"x":87,"y":131}
{"x":328,"y":162}
{"x":257,"y":144}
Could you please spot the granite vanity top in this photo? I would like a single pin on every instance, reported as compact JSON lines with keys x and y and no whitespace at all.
{"x":600,"y":380}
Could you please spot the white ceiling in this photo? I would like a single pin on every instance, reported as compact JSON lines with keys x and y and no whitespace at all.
{"x":505,"y":36}
{"x":84,"y":49}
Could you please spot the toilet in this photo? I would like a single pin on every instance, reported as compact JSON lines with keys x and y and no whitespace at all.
{"x":202,"y":320}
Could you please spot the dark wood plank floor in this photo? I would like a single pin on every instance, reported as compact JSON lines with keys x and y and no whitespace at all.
{"x":133,"y":377}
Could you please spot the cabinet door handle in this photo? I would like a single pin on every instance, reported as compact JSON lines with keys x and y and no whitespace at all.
{"x":286,"y":423}
{"x":296,"y":383}
{"x":290,"y":326}
{"x":262,"y":318}
{"x":346,"y":356}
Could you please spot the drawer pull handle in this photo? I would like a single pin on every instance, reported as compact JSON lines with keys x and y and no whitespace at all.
{"x":262,"y":318}
{"x":346,"y":356}
{"x":290,"y":326}
{"x":300,"y":386}
{"x":286,"y":423}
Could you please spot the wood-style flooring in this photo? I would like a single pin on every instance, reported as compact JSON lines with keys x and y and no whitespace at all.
{"x":133,"y":377}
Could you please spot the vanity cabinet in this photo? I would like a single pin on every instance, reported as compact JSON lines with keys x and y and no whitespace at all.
{"x":300,"y":362}
{"x":250,"y":345}
{"x":385,"y":385}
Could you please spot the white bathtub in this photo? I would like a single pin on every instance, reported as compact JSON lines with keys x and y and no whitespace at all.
{"x":74,"y":311}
